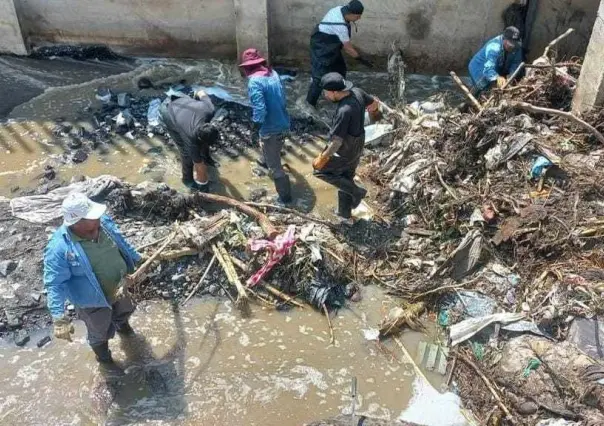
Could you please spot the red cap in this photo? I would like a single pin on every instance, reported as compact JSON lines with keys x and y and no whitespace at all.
{"x":251,"y":57}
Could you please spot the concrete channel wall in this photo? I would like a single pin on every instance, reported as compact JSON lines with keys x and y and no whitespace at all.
{"x":435,"y":35}
{"x":187,"y":28}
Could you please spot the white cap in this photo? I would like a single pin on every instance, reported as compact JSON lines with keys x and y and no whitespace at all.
{"x":77,"y":206}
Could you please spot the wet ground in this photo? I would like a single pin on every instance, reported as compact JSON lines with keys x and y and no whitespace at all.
{"x":201,"y":364}
{"x":204,"y":364}
{"x":30,"y":142}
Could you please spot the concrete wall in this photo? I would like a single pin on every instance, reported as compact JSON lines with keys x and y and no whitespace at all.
{"x":590,"y":89}
{"x":11,"y":40}
{"x":435,"y":35}
{"x":191,"y":28}
{"x":554,"y":17}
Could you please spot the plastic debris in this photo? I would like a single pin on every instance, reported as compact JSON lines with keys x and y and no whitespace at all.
{"x":539,"y":167}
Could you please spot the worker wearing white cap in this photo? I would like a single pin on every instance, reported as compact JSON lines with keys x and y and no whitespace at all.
{"x":86,"y":262}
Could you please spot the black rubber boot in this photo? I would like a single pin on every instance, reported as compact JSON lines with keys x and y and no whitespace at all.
{"x":284,"y":189}
{"x":102,"y":352}
{"x":359,"y":196}
{"x":125,"y":330}
{"x":344,"y":205}
{"x":105,"y":360}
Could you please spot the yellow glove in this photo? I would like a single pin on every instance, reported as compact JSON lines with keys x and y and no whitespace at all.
{"x":63,"y":329}
{"x":501,"y":82}
{"x":320,"y":162}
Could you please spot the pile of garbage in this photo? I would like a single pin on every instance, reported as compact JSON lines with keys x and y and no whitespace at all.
{"x":503,"y":215}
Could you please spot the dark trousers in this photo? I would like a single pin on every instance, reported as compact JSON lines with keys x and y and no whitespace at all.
{"x":271,"y":151}
{"x":314,"y":91}
{"x":350,"y":194}
{"x":101,"y":323}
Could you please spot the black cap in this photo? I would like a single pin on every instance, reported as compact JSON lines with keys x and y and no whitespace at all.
{"x":355,"y":7}
{"x":512,"y":34}
{"x":334,"y":81}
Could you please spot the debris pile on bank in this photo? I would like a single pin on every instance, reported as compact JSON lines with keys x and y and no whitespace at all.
{"x":504,"y":221}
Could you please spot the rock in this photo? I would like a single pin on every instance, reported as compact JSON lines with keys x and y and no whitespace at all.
{"x":257,"y":194}
{"x":258,"y":171}
{"x":36,"y":297}
{"x":166,"y":294}
{"x":21,"y":338}
{"x":231,"y":152}
{"x":144,"y":83}
{"x":71,"y":308}
{"x":44,"y":340}
{"x":214,"y":289}
{"x":79,"y":156}
{"x":7,"y":266}
{"x":13,"y":320}
{"x":527,"y":408}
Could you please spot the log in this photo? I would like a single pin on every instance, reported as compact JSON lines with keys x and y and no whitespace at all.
{"x":266,"y":225}
{"x":227,"y":265}
{"x":466,"y":91}
{"x":539,"y":110}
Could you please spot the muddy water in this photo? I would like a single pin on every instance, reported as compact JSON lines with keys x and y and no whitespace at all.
{"x":204,"y":364}
{"x":28,"y":143}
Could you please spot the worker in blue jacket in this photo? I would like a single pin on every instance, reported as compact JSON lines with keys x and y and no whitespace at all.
{"x":496,"y":60}
{"x":86,"y":262}
{"x":269,"y":117}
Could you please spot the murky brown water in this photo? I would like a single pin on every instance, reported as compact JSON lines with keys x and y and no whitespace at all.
{"x":204,"y":364}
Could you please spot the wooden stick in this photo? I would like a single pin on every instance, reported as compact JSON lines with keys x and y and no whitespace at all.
{"x":227,"y":265}
{"x":539,"y":110}
{"x":292,"y":211}
{"x":466,"y":90}
{"x":152,"y":243}
{"x":200,"y":281}
{"x":556,"y":41}
{"x":444,"y":184}
{"x":490,"y":387}
{"x":513,"y":76}
{"x":138,"y":275}
{"x":332,"y":339}
{"x":177,"y":254}
{"x":264,"y":221}
{"x":286,"y":298}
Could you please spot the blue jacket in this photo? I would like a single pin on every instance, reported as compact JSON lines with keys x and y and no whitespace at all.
{"x":491,"y":62}
{"x":68,"y":274}
{"x":268,"y":100}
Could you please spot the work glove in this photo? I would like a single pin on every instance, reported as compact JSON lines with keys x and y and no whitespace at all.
{"x":63,"y":329}
{"x":375,"y":114}
{"x":501,"y":82}
{"x":365,"y":62}
{"x":320,"y":162}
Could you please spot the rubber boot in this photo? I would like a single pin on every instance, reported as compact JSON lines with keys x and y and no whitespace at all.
{"x":105,"y":360}
{"x":345,"y":202}
{"x":284,"y":189}
{"x":124,"y":330}
{"x":359,"y":196}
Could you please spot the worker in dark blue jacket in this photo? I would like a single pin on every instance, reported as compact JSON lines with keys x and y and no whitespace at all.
{"x":496,"y":60}
{"x":269,"y":117}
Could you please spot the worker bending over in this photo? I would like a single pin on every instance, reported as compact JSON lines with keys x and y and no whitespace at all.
{"x":269,"y":117}
{"x":337,"y":164}
{"x":496,"y":60}
{"x":187,"y":121}
{"x":328,"y":39}
{"x":86,"y":262}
